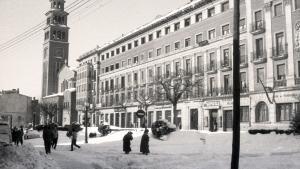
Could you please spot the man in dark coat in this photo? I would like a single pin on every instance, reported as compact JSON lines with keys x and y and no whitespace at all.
{"x":21,"y":134}
{"x":55,"y":135}
{"x":14,"y":135}
{"x":74,"y":139}
{"x":47,"y":136}
{"x":126,"y":142}
{"x":144,"y":148}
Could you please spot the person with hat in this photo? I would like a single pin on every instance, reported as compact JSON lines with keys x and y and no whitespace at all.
{"x":126,"y":142}
{"x":144,"y":148}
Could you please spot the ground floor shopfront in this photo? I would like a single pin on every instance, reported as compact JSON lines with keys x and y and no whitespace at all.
{"x":214,"y":114}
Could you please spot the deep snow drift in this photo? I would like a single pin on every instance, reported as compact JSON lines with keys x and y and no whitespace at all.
{"x":25,"y":157}
{"x":181,"y":150}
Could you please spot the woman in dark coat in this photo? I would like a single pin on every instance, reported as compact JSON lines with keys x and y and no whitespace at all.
{"x":144,"y":148}
{"x":126,"y":142}
{"x":47,"y":136}
{"x":55,"y":135}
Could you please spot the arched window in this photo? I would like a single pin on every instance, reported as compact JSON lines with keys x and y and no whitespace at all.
{"x":261,"y":112}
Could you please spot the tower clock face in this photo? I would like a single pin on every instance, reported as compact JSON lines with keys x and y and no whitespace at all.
{"x":58,"y":52}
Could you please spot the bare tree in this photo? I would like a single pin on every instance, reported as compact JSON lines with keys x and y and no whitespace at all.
{"x":174,"y":85}
{"x":49,"y":110}
{"x":145,"y":100}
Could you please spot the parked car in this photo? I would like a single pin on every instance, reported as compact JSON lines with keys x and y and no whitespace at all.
{"x":30,"y":134}
{"x":5,"y":134}
{"x":162,"y":127}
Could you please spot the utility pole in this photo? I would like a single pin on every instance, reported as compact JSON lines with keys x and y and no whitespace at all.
{"x":236,"y":87}
{"x":86,"y":121}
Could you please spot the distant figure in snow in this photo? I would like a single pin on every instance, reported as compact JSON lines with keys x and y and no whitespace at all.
{"x":74,"y":139}
{"x":48,"y":137}
{"x":14,"y":135}
{"x":55,"y":135}
{"x":21,"y":134}
{"x":144,"y":148}
{"x":126,"y":142}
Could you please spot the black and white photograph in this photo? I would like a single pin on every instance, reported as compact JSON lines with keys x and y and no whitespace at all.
{"x":150,"y":84}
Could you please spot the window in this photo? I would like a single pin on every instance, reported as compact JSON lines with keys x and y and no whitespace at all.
{"x":226,"y":61}
{"x":150,"y":54}
{"x":244,"y":113}
{"x":177,"y":26}
{"x":258,"y":20}
{"x":279,"y":43}
{"x":199,"y":38}
{"x":177,"y":45}
{"x":118,"y":51}
{"x":158,"y":51}
{"x":187,"y":22}
{"x":129,"y":62}
{"x":143,"y":40}
{"x":167,"y":48}
{"x":123,"y":48}
{"x":198,"y":17}
{"x":211,"y":34}
{"x":158,"y":71}
{"x":298,"y":68}
{"x":112,"y":67}
{"x":177,"y":67}
{"x":150,"y":37}
{"x":225,"y":29}
{"x":187,"y":42}
{"x":129,"y":46}
{"x":260,"y":74}
{"x":136,"y":43}
{"x":123,"y":82}
{"x":123,"y":63}
{"x":284,"y":112}
{"x":158,"y":34}
{"x":106,"y":69}
{"x":112,"y":53}
{"x":188,"y":67}
{"x":117,"y":65}
{"x":129,"y":79}
{"x":281,"y":72}
{"x":243,"y":80}
{"x":150,"y":75}
{"x":243,"y":53}
{"x":212,"y":59}
{"x":210,"y":12}
{"x":45,"y":52}
{"x":297,"y":4}
{"x":199,"y":65}
{"x":135,"y":59}
{"x":111,"y":84}
{"x":167,"y":30}
{"x":226,"y":84}
{"x":259,"y":48}
{"x":242,"y":24}
{"x":135,"y":78}
{"x":261,"y":112}
{"x":278,"y":9}
{"x":142,"y":76}
{"x":168,"y":70}
{"x":211,"y":85}
{"x":107,"y":55}
{"x":225,"y":6}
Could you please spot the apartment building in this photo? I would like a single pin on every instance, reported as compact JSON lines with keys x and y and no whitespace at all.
{"x":198,"y":39}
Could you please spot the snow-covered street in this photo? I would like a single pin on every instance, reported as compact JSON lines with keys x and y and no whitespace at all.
{"x":182,"y":150}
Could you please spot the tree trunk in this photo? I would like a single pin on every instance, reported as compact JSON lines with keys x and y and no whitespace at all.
{"x":175,"y":114}
{"x":145,"y":121}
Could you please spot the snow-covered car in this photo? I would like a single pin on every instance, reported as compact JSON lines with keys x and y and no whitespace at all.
{"x":30,"y":134}
{"x":5,"y":134}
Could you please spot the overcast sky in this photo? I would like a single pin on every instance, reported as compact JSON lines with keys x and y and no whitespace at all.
{"x":95,"y":23}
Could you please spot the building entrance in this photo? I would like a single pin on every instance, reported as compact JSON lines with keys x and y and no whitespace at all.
{"x":194,"y":119}
{"x":227,"y":120}
{"x":213,"y":120}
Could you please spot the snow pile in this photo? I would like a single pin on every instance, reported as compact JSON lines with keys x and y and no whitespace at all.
{"x":26,"y":156}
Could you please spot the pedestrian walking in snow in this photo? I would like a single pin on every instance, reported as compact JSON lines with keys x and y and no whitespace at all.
{"x":14,"y":135}
{"x":47,"y":136}
{"x":18,"y":136}
{"x":144,"y":148}
{"x":74,"y":139}
{"x":55,"y":135}
{"x":21,"y":134}
{"x":126,"y":142}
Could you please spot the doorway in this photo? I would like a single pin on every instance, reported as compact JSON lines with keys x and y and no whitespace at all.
{"x":194,"y":119}
{"x":213,"y":120}
{"x":123,"y":117}
{"x":227,"y":120}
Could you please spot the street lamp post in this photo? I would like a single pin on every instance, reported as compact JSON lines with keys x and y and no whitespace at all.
{"x":86,"y":121}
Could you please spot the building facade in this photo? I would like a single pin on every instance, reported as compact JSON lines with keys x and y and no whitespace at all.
{"x":198,"y":39}
{"x":55,"y":47}
{"x":15,"y":108}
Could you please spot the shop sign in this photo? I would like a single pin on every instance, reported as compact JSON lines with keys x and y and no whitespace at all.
{"x":211,"y":104}
{"x":119,"y":109}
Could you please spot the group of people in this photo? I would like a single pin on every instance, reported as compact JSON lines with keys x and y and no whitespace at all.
{"x":144,"y":147}
{"x":50,"y":136}
{"x":17,"y":135}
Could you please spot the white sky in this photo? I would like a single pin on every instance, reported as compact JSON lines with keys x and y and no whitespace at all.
{"x":96,"y":23}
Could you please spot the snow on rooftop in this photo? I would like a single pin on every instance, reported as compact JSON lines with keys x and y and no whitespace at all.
{"x":53,"y":95}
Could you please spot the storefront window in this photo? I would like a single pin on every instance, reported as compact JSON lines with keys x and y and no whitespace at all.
{"x":244,"y":116}
{"x":261,"y":112}
{"x":284,"y":112}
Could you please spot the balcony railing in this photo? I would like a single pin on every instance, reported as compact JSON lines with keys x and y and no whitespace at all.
{"x":199,"y":70}
{"x":244,"y":88}
{"x":258,"y":27}
{"x":212,"y":92}
{"x":243,"y":61}
{"x":226,"y":90}
{"x":280,"y":52}
{"x":203,"y":43}
{"x":259,"y":56}
{"x":226,"y":64}
{"x":280,"y":83}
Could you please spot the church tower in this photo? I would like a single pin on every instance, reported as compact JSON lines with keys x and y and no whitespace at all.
{"x":55,"y":47}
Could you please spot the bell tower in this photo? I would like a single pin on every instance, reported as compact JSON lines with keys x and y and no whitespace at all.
{"x":55,"y":46}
